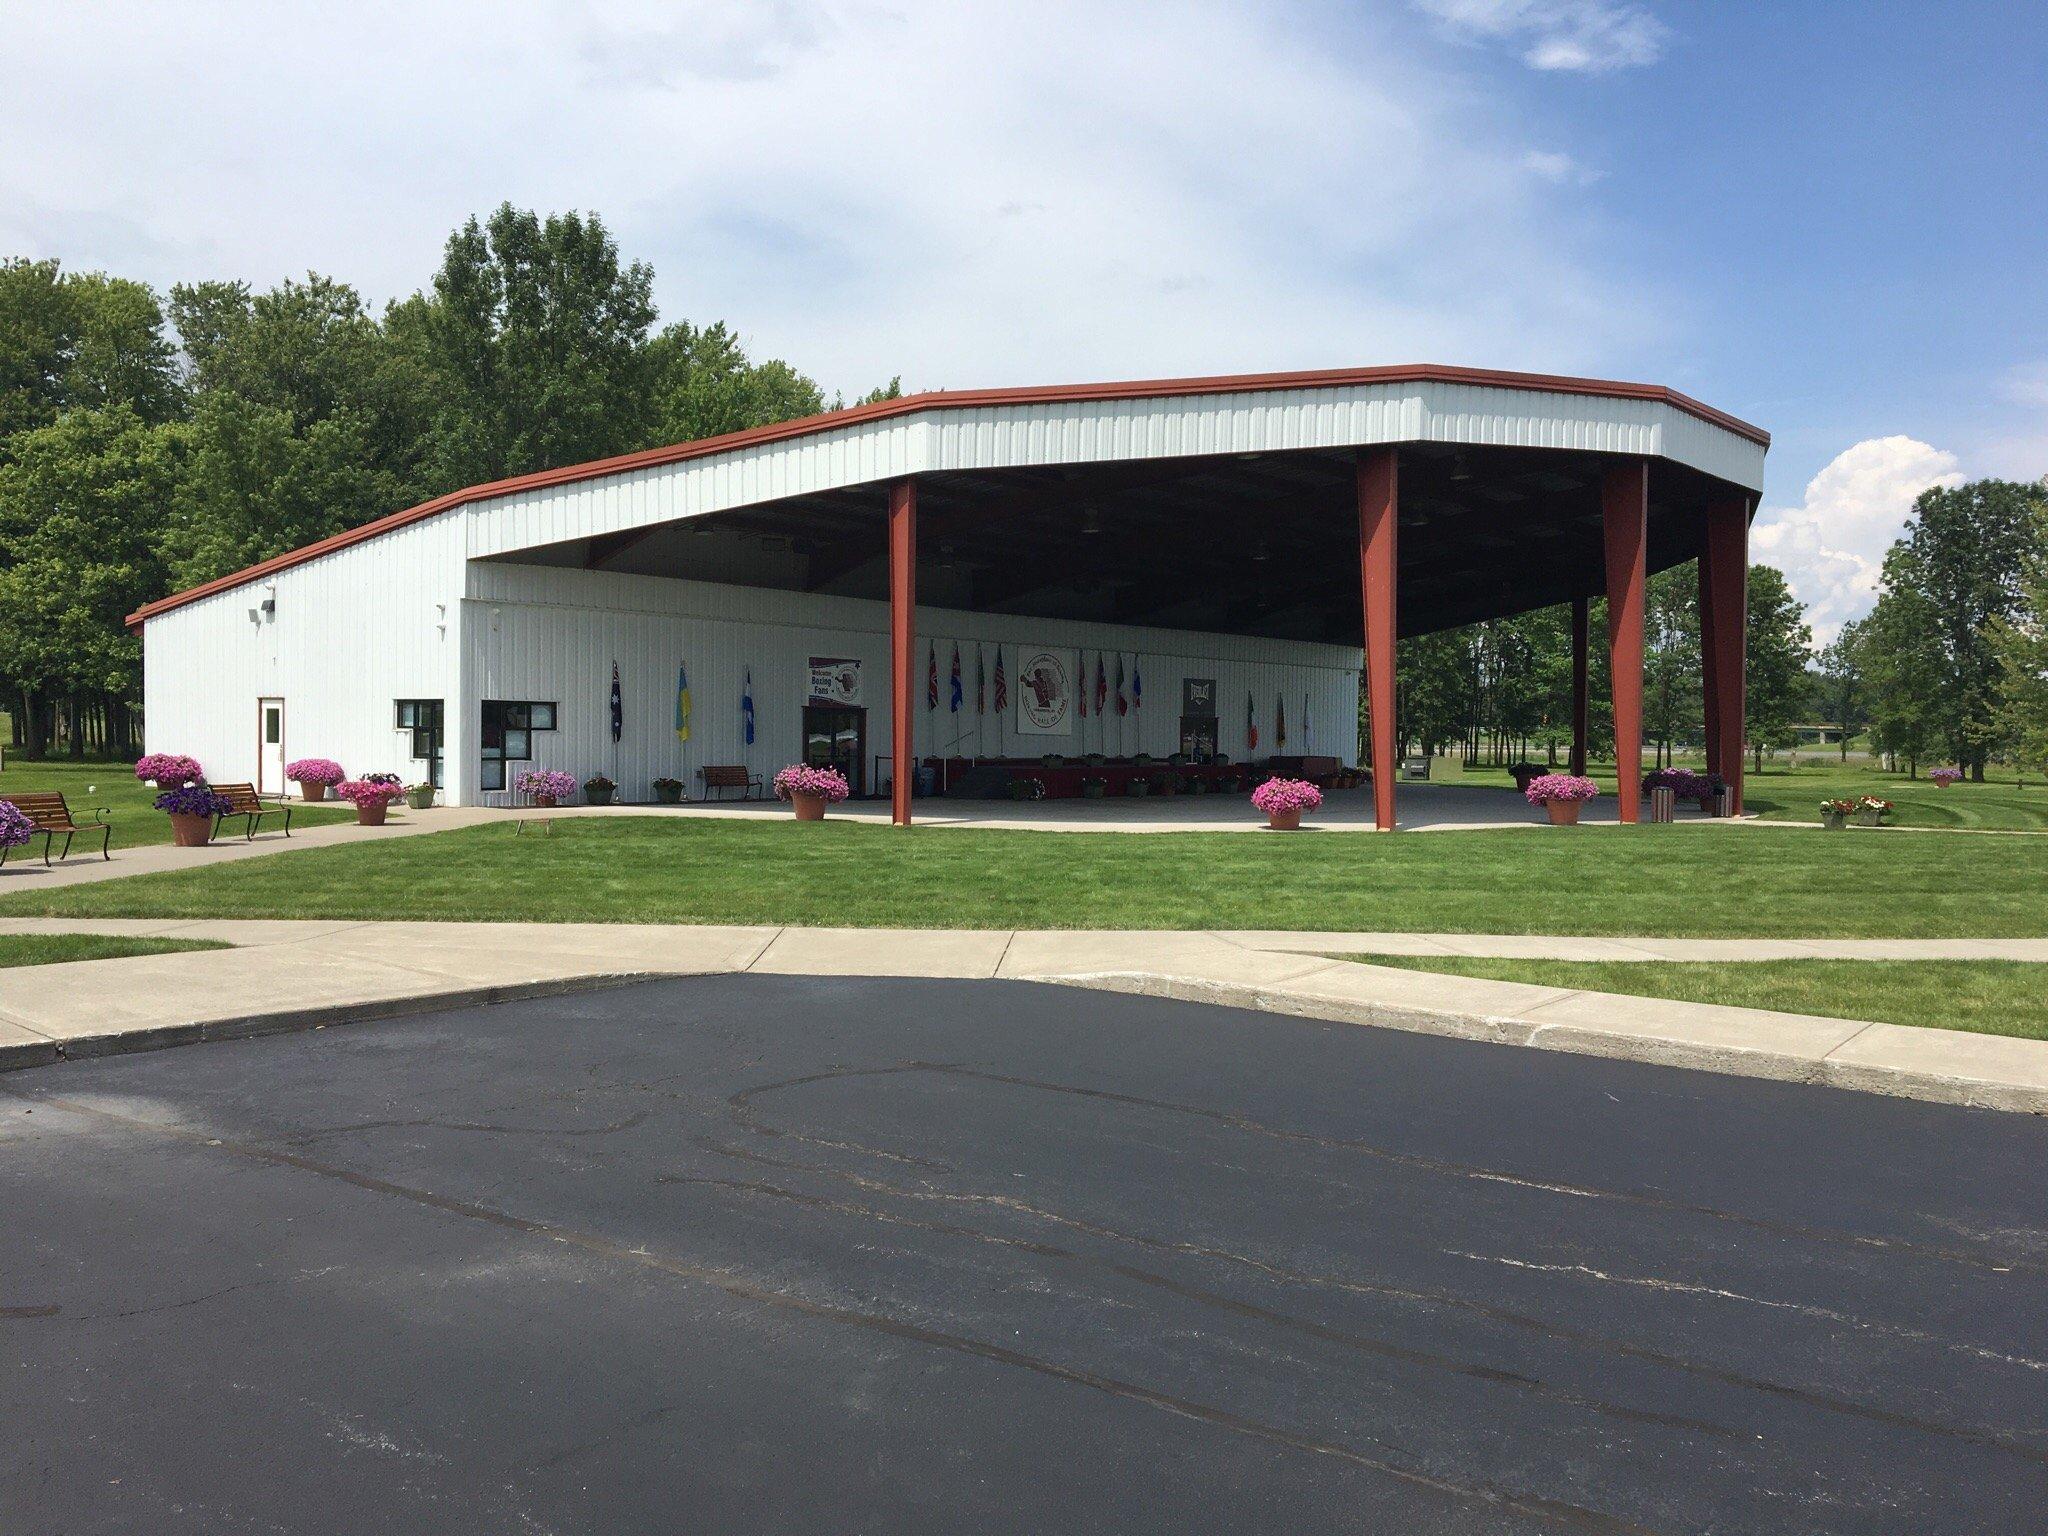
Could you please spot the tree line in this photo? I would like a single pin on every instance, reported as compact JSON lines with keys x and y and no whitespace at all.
{"x":152,"y":441}
{"x":1951,"y":664}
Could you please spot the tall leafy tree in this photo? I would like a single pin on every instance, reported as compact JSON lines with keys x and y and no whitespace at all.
{"x":1962,"y":555}
{"x":1672,"y":704}
{"x":1780,"y":645}
{"x":2021,"y":645}
{"x":79,"y":340}
{"x":536,"y":333}
{"x":81,"y":505}
{"x":1842,"y":690}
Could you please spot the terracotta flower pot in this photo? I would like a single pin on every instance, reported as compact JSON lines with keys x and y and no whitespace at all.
{"x":1284,"y":821}
{"x":370,"y":813}
{"x":808,"y":807}
{"x":1563,"y":813}
{"x":1708,"y":805}
{"x":310,"y":790}
{"x":189,"y":831}
{"x":545,"y":802}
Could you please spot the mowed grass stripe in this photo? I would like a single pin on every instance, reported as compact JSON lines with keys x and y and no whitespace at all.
{"x":1996,"y":997}
{"x":1675,"y":880}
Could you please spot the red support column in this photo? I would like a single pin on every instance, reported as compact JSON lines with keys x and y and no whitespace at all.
{"x":1625,"y":515}
{"x":1378,"y":516}
{"x":902,"y":646}
{"x":1582,"y":624}
{"x":1709,"y":664}
{"x":1728,"y":551}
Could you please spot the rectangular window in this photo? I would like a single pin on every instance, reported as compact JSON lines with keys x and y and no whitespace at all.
{"x":420,"y":719}
{"x":507,"y":736}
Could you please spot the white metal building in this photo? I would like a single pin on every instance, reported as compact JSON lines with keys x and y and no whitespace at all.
{"x":1183,"y":531}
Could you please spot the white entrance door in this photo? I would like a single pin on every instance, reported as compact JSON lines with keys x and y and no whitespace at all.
{"x":270,"y":746}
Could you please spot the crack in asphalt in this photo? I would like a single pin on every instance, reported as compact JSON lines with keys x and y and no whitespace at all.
{"x":1532,"y":1505}
{"x":741,"y":1105}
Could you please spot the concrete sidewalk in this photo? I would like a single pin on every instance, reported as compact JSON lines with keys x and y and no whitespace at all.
{"x":296,"y":975}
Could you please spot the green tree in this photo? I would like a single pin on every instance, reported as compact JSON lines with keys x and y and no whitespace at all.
{"x":1672,"y":699}
{"x":1780,"y":645}
{"x":1841,"y":686}
{"x":704,"y":385}
{"x":1903,"y":661}
{"x":536,"y":335}
{"x":1963,"y":553}
{"x":2021,"y":645}
{"x":79,"y":339}
{"x":81,"y":502}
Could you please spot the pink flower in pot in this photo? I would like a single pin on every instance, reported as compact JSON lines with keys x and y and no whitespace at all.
{"x":548,"y":786}
{"x":371,"y":797}
{"x":1561,"y":795}
{"x":314,"y":776}
{"x":1284,"y":801}
{"x":809,"y":790}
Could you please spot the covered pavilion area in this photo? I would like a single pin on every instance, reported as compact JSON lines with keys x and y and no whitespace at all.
{"x":1349,"y":507}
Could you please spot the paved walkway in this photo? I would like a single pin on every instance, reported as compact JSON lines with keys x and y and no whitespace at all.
{"x":296,"y":975}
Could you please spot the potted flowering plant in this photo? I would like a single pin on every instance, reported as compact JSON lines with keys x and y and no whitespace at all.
{"x":598,"y":790}
{"x":1834,"y":814}
{"x":1561,"y":795}
{"x":810,"y":789}
{"x":420,"y":796}
{"x":548,"y":786}
{"x":1941,"y":778}
{"x":1283,"y":801}
{"x":371,"y":796}
{"x":15,"y":827}
{"x":192,"y":808}
{"x":668,"y":791}
{"x":167,"y":770}
{"x":314,"y":776}
{"x":1871,"y":811}
{"x":1094,"y":786}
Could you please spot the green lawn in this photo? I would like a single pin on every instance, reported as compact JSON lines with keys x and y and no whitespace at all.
{"x":1995,"y":997}
{"x":114,"y":785}
{"x":1779,"y":793}
{"x":1695,"y":880}
{"x":50,"y":948}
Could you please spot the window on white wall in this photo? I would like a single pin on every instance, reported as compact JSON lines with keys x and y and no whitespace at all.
{"x":507,"y":735}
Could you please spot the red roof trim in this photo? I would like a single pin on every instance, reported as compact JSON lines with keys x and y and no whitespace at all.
{"x":1134,"y":389}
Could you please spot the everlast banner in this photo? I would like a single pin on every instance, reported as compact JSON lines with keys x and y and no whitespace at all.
{"x":1198,"y":697}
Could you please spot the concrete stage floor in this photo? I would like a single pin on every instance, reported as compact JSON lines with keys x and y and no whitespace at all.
{"x":773,"y":1253}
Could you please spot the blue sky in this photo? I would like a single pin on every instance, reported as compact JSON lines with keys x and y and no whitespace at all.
{"x":1827,"y":218}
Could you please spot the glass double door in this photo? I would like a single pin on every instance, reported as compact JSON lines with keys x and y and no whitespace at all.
{"x":836,"y":737}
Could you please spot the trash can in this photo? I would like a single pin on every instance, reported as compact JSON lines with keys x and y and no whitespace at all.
{"x":1663,"y":804}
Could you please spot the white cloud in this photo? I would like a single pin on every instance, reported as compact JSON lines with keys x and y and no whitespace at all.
{"x":2027,"y":384}
{"x":1832,"y":546}
{"x":1582,"y":36}
{"x":963,"y":193}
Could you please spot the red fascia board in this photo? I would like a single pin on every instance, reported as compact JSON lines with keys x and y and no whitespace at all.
{"x":1133,"y":389}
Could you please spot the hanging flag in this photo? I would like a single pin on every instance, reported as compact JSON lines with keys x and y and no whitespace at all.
{"x":1081,"y":693}
{"x":931,"y":678}
{"x":618,"y":708}
{"x":747,"y":709}
{"x":1101,"y":687}
{"x":955,"y":698}
{"x":1279,"y":720}
{"x":1307,"y":740}
{"x":682,"y":702}
{"x":1251,"y":725}
{"x":1137,"y":686}
{"x":1123,"y":705}
{"x":980,"y":678}
{"x":1002,"y":683}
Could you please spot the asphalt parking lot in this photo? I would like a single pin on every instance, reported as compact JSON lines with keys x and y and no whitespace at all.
{"x":753,"y":1254}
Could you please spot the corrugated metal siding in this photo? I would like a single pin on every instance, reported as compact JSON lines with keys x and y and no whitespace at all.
{"x":353,"y":632}
{"x":1044,"y":433}
{"x":548,"y":633}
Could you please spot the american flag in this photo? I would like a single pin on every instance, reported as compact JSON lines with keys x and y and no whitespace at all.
{"x":1002,"y":684}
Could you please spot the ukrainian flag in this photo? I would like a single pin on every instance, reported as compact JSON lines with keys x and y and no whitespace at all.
{"x":682,"y":702}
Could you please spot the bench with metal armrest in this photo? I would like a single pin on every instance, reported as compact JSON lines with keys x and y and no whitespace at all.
{"x":49,"y":815}
{"x":243,"y":801}
{"x":731,"y":776}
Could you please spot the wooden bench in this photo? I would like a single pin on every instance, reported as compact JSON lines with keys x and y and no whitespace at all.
{"x":730,"y":776}
{"x":49,"y":815}
{"x":243,"y":801}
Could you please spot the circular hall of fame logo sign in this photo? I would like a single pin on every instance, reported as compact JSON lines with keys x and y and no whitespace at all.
{"x":1045,"y":693}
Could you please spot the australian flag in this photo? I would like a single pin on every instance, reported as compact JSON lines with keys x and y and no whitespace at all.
{"x":618,"y":706}
{"x":747,"y":708}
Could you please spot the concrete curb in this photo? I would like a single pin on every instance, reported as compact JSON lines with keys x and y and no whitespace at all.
{"x":1959,"y":1087}
{"x":39,"y":1053}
